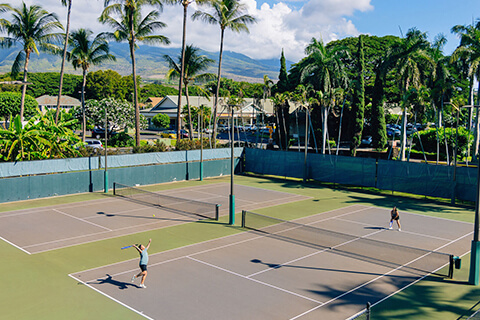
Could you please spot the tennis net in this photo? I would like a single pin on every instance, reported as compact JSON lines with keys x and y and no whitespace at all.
{"x":415,"y":260}
{"x":179,"y":205}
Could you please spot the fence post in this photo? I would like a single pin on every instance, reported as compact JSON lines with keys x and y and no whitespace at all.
{"x":368,"y":310}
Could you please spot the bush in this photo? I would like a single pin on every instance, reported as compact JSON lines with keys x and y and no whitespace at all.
{"x":429,"y":141}
{"x":161,"y":121}
{"x":158,"y":146}
{"x":121,"y":140}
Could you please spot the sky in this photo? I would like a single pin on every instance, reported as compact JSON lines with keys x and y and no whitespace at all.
{"x":291,"y":24}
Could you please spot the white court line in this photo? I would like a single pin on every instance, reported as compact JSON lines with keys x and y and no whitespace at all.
{"x":387,"y":273}
{"x":312,"y":254}
{"x":12,"y":244}
{"x":254,"y":280}
{"x":110,"y":297}
{"x":94,"y":224}
{"x":403,"y":231}
{"x":192,"y":245}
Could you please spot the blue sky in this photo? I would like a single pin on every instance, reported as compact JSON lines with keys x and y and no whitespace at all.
{"x":290,"y":25}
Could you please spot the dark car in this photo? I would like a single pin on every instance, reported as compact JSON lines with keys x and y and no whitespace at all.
{"x":183,"y":133}
{"x":100,"y":133}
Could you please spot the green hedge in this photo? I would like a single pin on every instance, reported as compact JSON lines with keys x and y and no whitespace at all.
{"x":429,"y":141}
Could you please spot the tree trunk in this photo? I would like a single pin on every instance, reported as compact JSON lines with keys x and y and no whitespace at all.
{"x":324,"y":128}
{"x":217,"y":92}
{"x":404,"y":133}
{"x":190,"y":125}
{"x":182,"y":70}
{"x":84,"y":122}
{"x":24,"y":86}
{"x":135,"y":95}
{"x":62,"y":68}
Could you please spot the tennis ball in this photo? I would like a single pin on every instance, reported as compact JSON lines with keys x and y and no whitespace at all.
{"x":154,"y":216}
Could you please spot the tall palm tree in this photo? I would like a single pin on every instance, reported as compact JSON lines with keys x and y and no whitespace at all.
{"x":325,"y":71}
{"x":131,"y":27}
{"x":32,"y":27}
{"x":194,"y":65}
{"x":469,"y":50}
{"x":228,"y":14}
{"x":67,"y":3}
{"x":85,"y":53}
{"x":412,"y":63}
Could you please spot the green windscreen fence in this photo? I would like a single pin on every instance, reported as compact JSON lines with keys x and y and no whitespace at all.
{"x":327,"y":168}
{"x":410,"y":177}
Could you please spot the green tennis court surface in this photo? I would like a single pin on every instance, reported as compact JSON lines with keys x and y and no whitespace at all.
{"x":53,"y":227}
{"x":254,"y":275}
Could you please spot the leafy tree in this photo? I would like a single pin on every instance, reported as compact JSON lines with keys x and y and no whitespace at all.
{"x":33,"y":28}
{"x":359,"y":99}
{"x":10,"y":105}
{"x":228,"y":14}
{"x":194,"y":65}
{"x":161,"y":121}
{"x":46,"y":83}
{"x":103,"y":84}
{"x":120,"y":114}
{"x":156,"y":90}
{"x":197,"y":112}
{"x":469,"y":51}
{"x":85,"y":53}
{"x":282,"y":84}
{"x":133,"y":28}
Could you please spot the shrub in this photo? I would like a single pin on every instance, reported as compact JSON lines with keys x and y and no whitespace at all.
{"x":429,"y":141}
{"x":121,"y":140}
{"x":158,"y":146}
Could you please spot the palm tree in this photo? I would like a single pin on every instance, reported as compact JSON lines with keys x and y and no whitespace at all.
{"x":132,"y":28}
{"x":228,"y":14}
{"x":85,"y":53}
{"x":194,"y":64}
{"x":469,"y":50}
{"x":67,"y":3}
{"x":33,"y":28}
{"x":412,"y":63}
{"x":325,"y":71}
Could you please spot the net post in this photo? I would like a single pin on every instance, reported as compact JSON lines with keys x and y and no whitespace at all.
{"x":114,"y":184}
{"x":368,"y":310}
{"x":450,"y":267}
{"x":243,"y":218}
{"x":217,"y":209}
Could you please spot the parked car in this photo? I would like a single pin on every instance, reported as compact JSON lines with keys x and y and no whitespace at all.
{"x":366,"y":141}
{"x":93,"y":143}
{"x":169,"y":134}
{"x":183,"y":133}
{"x":100,"y":133}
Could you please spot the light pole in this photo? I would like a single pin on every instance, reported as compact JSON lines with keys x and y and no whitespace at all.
{"x":306,"y":146}
{"x":105,"y":174}
{"x":232,"y":173}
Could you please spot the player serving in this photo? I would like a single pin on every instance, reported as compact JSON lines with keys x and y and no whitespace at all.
{"x":396,"y":217}
{"x":143,"y":262}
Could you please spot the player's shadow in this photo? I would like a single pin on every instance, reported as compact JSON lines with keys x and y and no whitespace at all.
{"x":375,"y":228}
{"x":120,"y":284}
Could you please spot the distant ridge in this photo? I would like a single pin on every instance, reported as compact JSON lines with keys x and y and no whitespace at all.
{"x":151,"y":65}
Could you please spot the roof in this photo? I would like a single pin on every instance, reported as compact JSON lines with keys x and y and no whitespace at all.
{"x":169,"y":105}
{"x":46,"y":100}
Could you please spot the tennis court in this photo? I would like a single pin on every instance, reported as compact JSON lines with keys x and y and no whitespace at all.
{"x":54,"y":227}
{"x":269,"y":275}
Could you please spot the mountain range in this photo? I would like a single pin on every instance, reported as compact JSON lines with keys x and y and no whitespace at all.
{"x":151,"y":64}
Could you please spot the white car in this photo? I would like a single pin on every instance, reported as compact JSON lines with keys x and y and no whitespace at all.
{"x":95,"y":144}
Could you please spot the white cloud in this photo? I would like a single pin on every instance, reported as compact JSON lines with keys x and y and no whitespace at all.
{"x":278,"y":26}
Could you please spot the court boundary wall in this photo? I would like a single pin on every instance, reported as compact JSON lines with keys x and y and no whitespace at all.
{"x":410,"y":177}
{"x":45,"y":178}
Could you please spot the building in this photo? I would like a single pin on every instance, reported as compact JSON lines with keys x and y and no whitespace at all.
{"x":46,"y":103}
{"x":250,"y":112}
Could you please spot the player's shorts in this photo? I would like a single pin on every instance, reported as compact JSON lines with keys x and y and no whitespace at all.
{"x":143,"y":267}
{"x":396,"y":218}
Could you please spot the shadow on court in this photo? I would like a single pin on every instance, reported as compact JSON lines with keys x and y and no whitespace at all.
{"x":119,"y":284}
